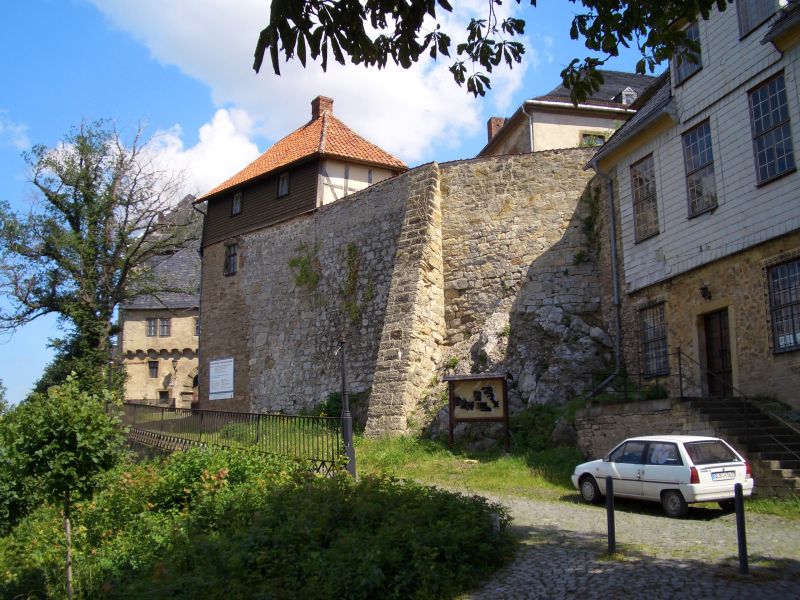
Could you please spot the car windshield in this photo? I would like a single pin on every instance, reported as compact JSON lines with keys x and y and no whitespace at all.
{"x":706,"y":453}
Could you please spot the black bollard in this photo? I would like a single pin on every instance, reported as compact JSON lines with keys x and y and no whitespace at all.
{"x":612,"y":533}
{"x":741,"y":535}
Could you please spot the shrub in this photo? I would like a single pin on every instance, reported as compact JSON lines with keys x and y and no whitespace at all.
{"x":233,"y":524}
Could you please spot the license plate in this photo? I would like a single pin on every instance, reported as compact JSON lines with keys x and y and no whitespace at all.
{"x":723,"y":475}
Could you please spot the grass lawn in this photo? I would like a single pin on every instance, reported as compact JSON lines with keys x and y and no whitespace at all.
{"x":539,"y":475}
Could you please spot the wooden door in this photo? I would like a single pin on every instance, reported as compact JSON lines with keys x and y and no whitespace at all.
{"x":718,"y":354}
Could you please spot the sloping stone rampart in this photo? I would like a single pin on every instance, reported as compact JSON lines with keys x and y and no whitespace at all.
{"x":414,"y":323}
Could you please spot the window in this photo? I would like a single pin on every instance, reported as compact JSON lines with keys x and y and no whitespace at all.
{"x":197,"y":326}
{"x":230,"y":260}
{"x":283,"y":184}
{"x":163,"y":327}
{"x":643,"y":190}
{"x":772,"y":137}
{"x":684,"y":67}
{"x":590,"y":140}
{"x":709,"y":453}
{"x":163,"y":397}
{"x":654,"y":340}
{"x":151,"y":327}
{"x":784,"y":305}
{"x":629,"y":453}
{"x":698,"y":157}
{"x":753,"y":13}
{"x":152,"y":367}
{"x":663,"y":453}
{"x":236,"y":204}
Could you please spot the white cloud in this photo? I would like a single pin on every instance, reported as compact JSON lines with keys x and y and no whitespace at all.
{"x":224,"y":148}
{"x":407,"y":112}
{"x":13,"y":133}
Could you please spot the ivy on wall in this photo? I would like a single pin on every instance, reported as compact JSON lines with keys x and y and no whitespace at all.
{"x":352,"y":305}
{"x":305,"y":266}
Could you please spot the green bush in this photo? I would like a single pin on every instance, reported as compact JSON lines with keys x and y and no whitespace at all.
{"x":532,"y":429}
{"x":232,"y":524}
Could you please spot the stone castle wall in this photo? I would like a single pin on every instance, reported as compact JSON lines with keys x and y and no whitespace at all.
{"x":284,"y":331}
{"x":486,"y":260}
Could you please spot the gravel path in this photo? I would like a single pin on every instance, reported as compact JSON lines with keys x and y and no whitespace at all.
{"x":564,"y":544}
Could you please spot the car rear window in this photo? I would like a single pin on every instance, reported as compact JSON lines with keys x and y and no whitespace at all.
{"x":706,"y":453}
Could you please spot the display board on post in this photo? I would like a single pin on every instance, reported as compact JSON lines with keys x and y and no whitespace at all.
{"x":477,"y":398}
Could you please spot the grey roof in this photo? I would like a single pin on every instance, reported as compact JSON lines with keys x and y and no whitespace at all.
{"x":650,"y":104}
{"x":614,"y":82}
{"x":787,"y":18}
{"x":179,"y":273}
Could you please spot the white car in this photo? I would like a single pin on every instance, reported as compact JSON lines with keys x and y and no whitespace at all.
{"x":675,"y":470}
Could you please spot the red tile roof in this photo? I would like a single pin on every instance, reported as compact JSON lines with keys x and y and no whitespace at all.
{"x":323,"y":136}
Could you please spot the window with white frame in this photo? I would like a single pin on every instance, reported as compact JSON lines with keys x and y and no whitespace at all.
{"x":152,"y":327}
{"x":231,"y":263}
{"x":164,"y":327}
{"x":653,"y":331}
{"x":784,"y":305}
{"x":283,"y":184}
{"x":753,"y":13}
{"x":643,"y":190}
{"x":686,"y":65}
{"x":772,"y":136}
{"x":236,"y":204}
{"x":698,"y":157}
{"x":152,"y":368}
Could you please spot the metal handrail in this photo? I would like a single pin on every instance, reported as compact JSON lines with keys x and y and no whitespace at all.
{"x":747,"y":402}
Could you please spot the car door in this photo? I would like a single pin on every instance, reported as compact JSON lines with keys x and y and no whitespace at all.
{"x":625,"y":463}
{"x":663,"y":469}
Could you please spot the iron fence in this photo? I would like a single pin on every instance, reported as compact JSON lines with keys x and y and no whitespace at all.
{"x":317,"y":440}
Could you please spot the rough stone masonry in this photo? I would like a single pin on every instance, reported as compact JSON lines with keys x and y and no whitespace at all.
{"x":474,"y":266}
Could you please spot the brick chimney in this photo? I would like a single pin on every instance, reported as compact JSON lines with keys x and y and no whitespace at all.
{"x":319,"y":105}
{"x":493,"y":125}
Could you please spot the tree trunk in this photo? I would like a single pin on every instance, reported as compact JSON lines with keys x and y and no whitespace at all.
{"x":68,"y":534}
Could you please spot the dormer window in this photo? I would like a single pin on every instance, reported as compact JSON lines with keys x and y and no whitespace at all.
{"x":283,"y":185}
{"x":236,"y":204}
{"x":628,"y":96}
{"x":683,"y":65}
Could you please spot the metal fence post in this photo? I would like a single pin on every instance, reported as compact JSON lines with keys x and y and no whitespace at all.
{"x":612,"y":531}
{"x":347,"y":418}
{"x":741,"y":536}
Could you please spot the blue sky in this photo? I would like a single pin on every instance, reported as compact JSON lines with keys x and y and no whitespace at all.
{"x":183,"y":69}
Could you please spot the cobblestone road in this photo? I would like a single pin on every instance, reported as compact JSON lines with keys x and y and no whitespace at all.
{"x":564,"y":546}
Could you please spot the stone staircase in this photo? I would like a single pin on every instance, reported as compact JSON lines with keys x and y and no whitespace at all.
{"x":771,"y":444}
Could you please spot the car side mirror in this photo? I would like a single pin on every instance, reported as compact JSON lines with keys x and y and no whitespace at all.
{"x":605,"y":458}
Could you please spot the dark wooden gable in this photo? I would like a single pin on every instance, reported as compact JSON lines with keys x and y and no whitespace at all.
{"x":261,"y":205}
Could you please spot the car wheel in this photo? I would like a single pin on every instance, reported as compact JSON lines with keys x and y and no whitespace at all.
{"x":589,"y":490}
{"x":727,"y":505}
{"x":674,"y":504}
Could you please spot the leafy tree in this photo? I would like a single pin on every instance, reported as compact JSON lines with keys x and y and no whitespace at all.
{"x":58,"y":444}
{"x":85,"y":246}
{"x":371,"y":32}
{"x":3,"y":401}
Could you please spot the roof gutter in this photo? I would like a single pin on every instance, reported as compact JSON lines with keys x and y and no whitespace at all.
{"x":612,"y":232}
{"x":570,"y":105}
